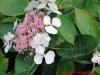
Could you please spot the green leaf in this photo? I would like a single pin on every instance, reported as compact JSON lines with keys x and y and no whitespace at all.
{"x":85,"y":42}
{"x":97,"y":69}
{"x":59,"y":40}
{"x":5,"y":28}
{"x":9,"y":19}
{"x":87,"y":23}
{"x":53,"y":41}
{"x":83,"y":60}
{"x":24,"y":65}
{"x":95,"y":0}
{"x":10,"y":73}
{"x":99,"y":13}
{"x":20,"y":65}
{"x":48,"y":69}
{"x":3,"y":64}
{"x":83,"y":46}
{"x":67,"y":29}
{"x":66,"y":4}
{"x":65,"y":67}
{"x":66,"y":50}
{"x":13,"y":7}
{"x":93,"y":8}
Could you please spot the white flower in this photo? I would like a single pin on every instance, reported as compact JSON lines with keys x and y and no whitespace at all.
{"x":8,"y":41}
{"x":39,"y":4}
{"x":40,"y":50}
{"x":38,"y":59}
{"x":52,"y":1}
{"x":50,"y":26}
{"x":32,"y":4}
{"x":7,"y":47}
{"x":40,"y":39}
{"x":96,"y":57}
{"x":53,"y":8}
{"x":49,"y":57}
{"x":43,"y":3}
{"x":8,"y":37}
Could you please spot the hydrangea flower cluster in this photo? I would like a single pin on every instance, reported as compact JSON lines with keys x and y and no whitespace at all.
{"x":31,"y":25}
{"x":96,"y":57}
{"x":33,"y":32}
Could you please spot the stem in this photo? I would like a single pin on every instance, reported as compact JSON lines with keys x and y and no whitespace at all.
{"x":92,"y":69}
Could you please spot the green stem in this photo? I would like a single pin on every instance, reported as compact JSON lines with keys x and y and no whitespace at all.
{"x":92,"y":69}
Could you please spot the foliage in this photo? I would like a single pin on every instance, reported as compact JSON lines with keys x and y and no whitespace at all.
{"x":77,"y":38}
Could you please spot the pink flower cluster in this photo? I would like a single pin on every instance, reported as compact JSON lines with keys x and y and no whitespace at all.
{"x":32,"y":24}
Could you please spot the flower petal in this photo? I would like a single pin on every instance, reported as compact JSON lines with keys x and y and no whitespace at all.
{"x":51,"y":30}
{"x":46,"y":36}
{"x":47,"y":20}
{"x":31,"y":5}
{"x":7,"y":47}
{"x":52,"y":1}
{"x":49,"y":57}
{"x":40,"y":50}
{"x":56,"y":22}
{"x":38,"y":59}
{"x":53,"y":6}
{"x":57,"y":12}
{"x":8,"y":37}
{"x":45,"y":39}
{"x":35,"y":41}
{"x":42,"y":1}
{"x":95,"y":59}
{"x":96,"y":53}
{"x":44,"y":43}
{"x":11,"y":36}
{"x":41,"y":6}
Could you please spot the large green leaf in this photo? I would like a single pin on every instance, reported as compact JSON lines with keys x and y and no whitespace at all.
{"x":67,"y":4}
{"x":83,"y":46}
{"x":67,"y":29}
{"x":3,"y":64}
{"x":87,"y":23}
{"x":93,"y":8}
{"x":13,"y":7}
{"x":24,"y":65}
{"x":5,"y":28}
{"x":65,"y":67}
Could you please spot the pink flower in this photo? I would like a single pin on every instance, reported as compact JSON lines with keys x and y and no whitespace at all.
{"x":21,"y":42}
{"x":21,"y":29}
{"x":31,"y":25}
